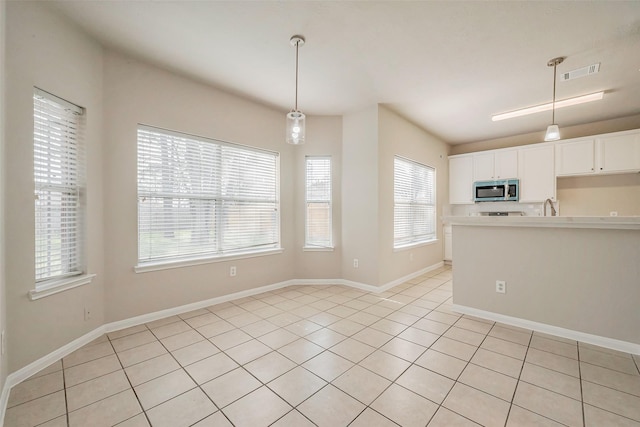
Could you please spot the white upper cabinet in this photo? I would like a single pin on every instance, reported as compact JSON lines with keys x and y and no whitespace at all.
{"x":605,"y":154}
{"x":461,"y":180}
{"x":537,"y":174}
{"x":502,"y":164}
{"x":575,"y":157}
{"x":483,"y":167}
{"x":538,"y":165}
{"x":619,"y":153}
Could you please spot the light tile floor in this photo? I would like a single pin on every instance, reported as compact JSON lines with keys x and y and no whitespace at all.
{"x":332,"y":356}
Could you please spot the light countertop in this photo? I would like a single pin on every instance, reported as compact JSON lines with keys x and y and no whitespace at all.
{"x":606,"y":222}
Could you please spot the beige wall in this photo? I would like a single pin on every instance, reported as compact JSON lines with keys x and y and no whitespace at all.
{"x":583,"y":280}
{"x":46,"y":51}
{"x":398,"y":136}
{"x":371,"y":140}
{"x":599,"y":195}
{"x":3,"y":180}
{"x":360,"y":196}
{"x":140,"y":93}
{"x":119,"y":92}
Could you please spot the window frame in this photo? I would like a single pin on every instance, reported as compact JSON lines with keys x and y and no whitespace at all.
{"x":183,"y":260}
{"x":308,"y":244}
{"x":414,"y":239}
{"x":59,"y":188}
{"x":58,"y":127}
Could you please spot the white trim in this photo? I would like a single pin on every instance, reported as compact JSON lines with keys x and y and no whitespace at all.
{"x":367,"y":287}
{"x":595,"y":222}
{"x":4,"y":400}
{"x":322,"y":282}
{"x":51,"y":97}
{"x":614,"y":344}
{"x":181,"y":134}
{"x":61,"y":285}
{"x":415,"y":245}
{"x":317,"y":249}
{"x":22,"y":374}
{"x":36,"y":366}
{"x":150,"y":317}
{"x":156,"y":266}
{"x":401,"y":280}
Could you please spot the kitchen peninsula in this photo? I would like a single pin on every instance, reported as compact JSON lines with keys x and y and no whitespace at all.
{"x":577,"y":277}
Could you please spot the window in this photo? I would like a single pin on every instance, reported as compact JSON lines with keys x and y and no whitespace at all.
{"x":59,"y":187}
{"x":318,"y":203}
{"x":201,"y":198}
{"x":414,"y":203}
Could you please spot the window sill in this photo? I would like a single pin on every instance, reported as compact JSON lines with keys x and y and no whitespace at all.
{"x":317,"y":249}
{"x":415,"y":245}
{"x":61,"y":285}
{"x":144,"y":268}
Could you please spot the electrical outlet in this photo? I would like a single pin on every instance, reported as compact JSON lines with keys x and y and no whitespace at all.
{"x":355,"y":263}
{"x":232,"y":271}
{"x":501,"y":286}
{"x":613,"y":213}
{"x":87,"y":314}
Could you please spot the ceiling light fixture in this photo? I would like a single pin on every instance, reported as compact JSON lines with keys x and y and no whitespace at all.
{"x":553,"y":131}
{"x":295,"y":119}
{"x":548,"y":106}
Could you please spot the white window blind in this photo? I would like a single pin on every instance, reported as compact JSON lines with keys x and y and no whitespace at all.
{"x":200,"y":198}
{"x":318,"y":202}
{"x":414,"y":203}
{"x":59,"y":180}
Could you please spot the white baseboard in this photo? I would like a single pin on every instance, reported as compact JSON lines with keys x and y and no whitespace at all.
{"x":22,"y":374}
{"x":401,"y":280}
{"x":35,"y":367}
{"x":150,"y":317}
{"x":614,"y":344}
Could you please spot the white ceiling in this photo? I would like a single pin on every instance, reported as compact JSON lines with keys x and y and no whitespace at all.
{"x":445,"y":65}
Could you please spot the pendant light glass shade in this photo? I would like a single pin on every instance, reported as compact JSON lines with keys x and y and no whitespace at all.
{"x":295,"y":119}
{"x":553,"y":133}
{"x":295,"y":127}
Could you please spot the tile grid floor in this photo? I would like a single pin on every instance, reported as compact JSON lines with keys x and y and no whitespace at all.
{"x":332,"y":356}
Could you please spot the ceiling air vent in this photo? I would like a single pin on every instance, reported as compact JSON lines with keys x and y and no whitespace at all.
{"x":580,"y":72}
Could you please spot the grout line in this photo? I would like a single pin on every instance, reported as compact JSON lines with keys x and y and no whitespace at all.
{"x":64,"y":385}
{"x":128,"y":380}
{"x":513,"y":396}
{"x":353,"y":295}
{"x":584,"y":419}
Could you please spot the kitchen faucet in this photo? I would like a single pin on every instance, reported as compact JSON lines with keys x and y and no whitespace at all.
{"x":553,"y":210}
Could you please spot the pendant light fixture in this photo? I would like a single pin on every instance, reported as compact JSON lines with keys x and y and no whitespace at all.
{"x":553,"y":131}
{"x":295,"y":119}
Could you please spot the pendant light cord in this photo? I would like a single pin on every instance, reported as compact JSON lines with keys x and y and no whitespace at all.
{"x":553,"y":106}
{"x":297,"y":43}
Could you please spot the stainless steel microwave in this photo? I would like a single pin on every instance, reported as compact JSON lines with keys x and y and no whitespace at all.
{"x":504,"y":190}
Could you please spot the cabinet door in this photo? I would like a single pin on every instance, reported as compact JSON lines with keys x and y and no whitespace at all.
{"x":506,"y":164}
{"x":619,"y":153}
{"x":537,"y":174}
{"x":461,"y":180}
{"x":483,"y":167}
{"x":575,"y":158}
